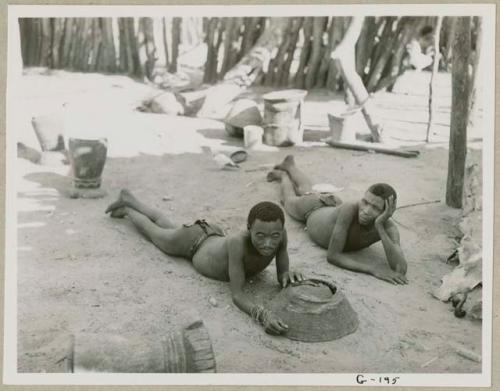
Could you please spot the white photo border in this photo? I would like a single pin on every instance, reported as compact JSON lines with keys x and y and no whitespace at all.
{"x":10,"y":374}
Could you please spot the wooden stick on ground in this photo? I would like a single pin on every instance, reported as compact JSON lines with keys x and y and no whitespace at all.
{"x":418,"y":203}
{"x":368,"y":148}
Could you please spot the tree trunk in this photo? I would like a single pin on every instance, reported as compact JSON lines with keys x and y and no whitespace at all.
{"x":229,"y":54}
{"x":325,"y":60}
{"x":77,"y":42}
{"x":210,"y":71}
{"x":165,"y":41}
{"x":459,"y":112}
{"x":371,"y":47}
{"x":376,"y":71}
{"x":449,"y":39}
{"x":147,"y":45}
{"x":305,"y":53}
{"x":26,"y":26}
{"x":365,"y":44}
{"x":344,"y":54}
{"x":315,"y":60}
{"x":65,"y":42}
{"x":284,"y":75}
{"x":96,"y":48}
{"x":135,"y":66}
{"x":54,"y":39}
{"x":249,"y":34}
{"x":333,"y":66}
{"x":45,"y":48}
{"x":274,"y":68}
{"x":83,"y":59}
{"x":108,"y":57}
{"x":244,"y":73}
{"x":435,"y":69}
{"x":176,"y":40}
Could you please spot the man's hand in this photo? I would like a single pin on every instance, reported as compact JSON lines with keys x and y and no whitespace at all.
{"x":389,"y":209}
{"x":391,"y":276}
{"x":273,"y":324}
{"x":290,"y":277}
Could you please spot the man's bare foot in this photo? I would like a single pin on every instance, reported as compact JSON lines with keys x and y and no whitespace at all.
{"x":119,"y":213}
{"x":286,"y":163}
{"x":275,"y":175}
{"x":124,"y":199}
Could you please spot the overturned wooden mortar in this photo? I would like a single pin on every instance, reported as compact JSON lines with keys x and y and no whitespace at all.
{"x":188,"y":350}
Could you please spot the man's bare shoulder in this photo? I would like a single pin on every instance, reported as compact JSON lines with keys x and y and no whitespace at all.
{"x":238,"y":240}
{"x":349,"y":207}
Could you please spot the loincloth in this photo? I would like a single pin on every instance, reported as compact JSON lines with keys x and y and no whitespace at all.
{"x":324,"y":199}
{"x":206,"y":230}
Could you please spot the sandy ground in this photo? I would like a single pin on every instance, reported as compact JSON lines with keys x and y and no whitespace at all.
{"x":81,"y":271}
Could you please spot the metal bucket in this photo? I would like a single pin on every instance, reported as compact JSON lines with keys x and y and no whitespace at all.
{"x":341,"y":126}
{"x":253,"y":136}
{"x":186,"y":351}
{"x":283,"y":117}
{"x":87,"y":159}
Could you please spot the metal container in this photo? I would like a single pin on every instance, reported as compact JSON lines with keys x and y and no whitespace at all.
{"x":283,"y":117}
{"x":342,"y":126}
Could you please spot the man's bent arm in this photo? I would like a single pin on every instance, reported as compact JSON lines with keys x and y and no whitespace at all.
{"x":282,"y":260}
{"x":338,"y":240}
{"x":389,"y":236}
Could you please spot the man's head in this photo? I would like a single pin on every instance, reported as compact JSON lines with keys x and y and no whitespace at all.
{"x":266,"y":223}
{"x":372,"y":204}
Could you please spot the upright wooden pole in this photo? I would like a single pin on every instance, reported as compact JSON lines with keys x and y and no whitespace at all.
{"x":477,"y":75}
{"x":459,"y":112}
{"x":435,"y":69}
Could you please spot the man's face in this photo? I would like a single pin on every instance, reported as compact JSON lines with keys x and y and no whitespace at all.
{"x":370,"y":207}
{"x":266,"y":236}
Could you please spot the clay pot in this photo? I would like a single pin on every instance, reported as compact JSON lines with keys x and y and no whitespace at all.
{"x":87,"y":159}
{"x":283,"y":117}
{"x":49,"y":130}
{"x":188,"y":350}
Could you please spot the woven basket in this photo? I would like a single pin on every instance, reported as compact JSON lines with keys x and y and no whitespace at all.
{"x":244,"y":112}
{"x":315,"y":311}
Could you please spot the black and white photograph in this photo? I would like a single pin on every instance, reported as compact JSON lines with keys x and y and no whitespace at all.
{"x":254,"y":195}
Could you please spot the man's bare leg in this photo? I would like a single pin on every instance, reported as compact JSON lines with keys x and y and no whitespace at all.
{"x":169,"y":240}
{"x":295,"y":205}
{"x":127,"y":199}
{"x":300,"y":180}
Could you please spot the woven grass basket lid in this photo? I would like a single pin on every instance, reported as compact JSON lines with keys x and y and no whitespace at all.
{"x":315,"y":311}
